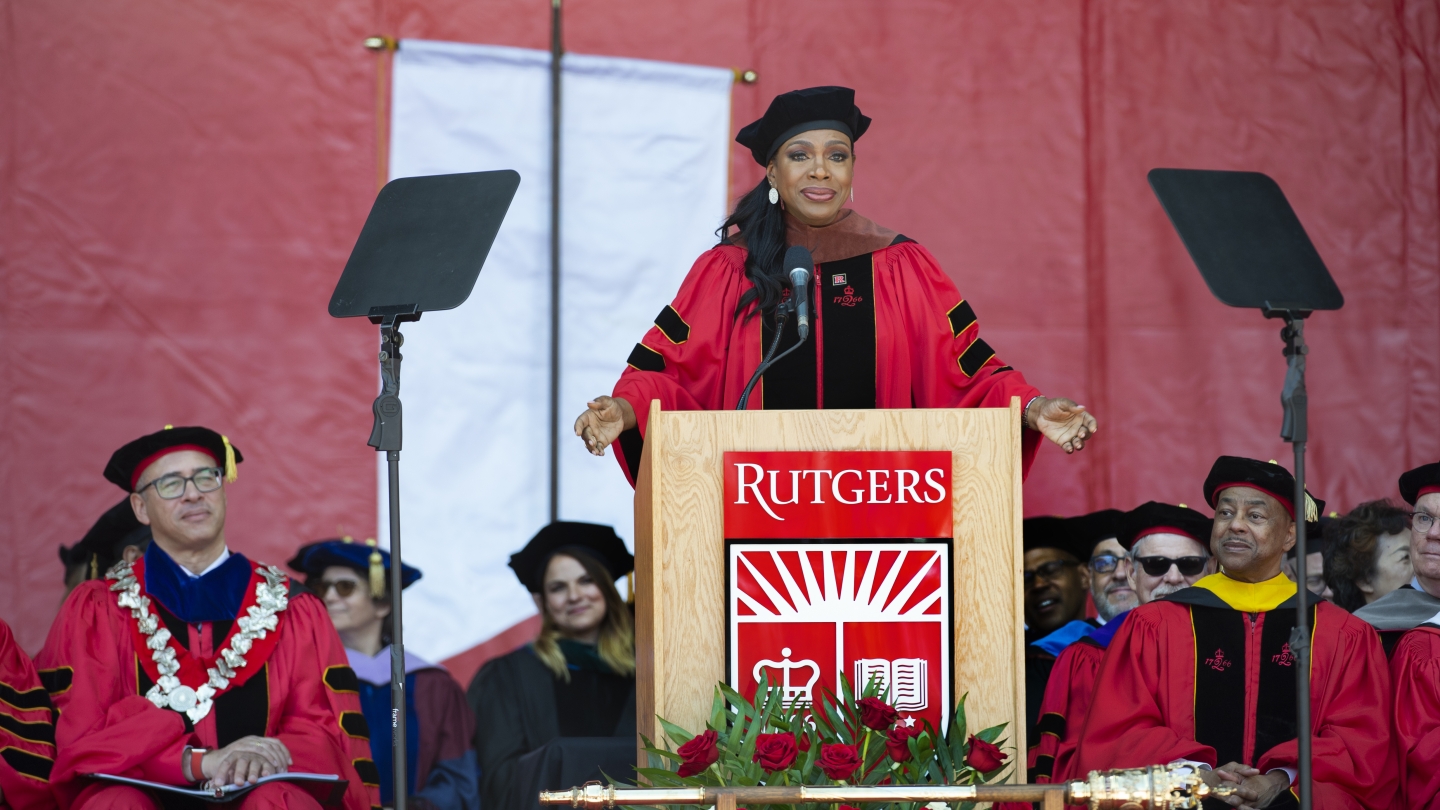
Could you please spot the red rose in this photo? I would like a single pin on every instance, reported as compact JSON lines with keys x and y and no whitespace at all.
{"x":876,"y":713}
{"x":839,"y":761}
{"x":984,"y":757}
{"x":699,"y":754}
{"x":775,"y":752}
{"x":897,"y":740}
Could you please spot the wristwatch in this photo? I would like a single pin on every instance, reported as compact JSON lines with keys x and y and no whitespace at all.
{"x":190,"y":763}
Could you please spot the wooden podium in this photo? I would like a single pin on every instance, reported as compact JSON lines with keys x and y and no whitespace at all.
{"x":680,"y":557}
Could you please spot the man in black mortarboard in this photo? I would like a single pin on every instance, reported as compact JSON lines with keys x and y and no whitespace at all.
{"x":1056,"y":580}
{"x":116,"y":535}
{"x":1409,"y":620}
{"x":1206,"y":674}
{"x":1107,"y":561}
{"x":193,"y":665}
{"x":1055,"y":574}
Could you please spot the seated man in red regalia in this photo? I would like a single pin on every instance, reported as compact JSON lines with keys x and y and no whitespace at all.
{"x":1206,"y":674}
{"x":196,"y":665}
{"x":1411,"y":615}
{"x":27,"y":738}
{"x":1166,"y":547}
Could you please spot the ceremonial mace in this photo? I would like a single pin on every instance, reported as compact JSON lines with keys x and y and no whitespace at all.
{"x":421,"y":250}
{"x":1158,"y":787}
{"x":1253,"y":252}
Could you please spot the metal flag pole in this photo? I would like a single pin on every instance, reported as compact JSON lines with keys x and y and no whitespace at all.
{"x":557,"y":50}
{"x":1294,"y":429}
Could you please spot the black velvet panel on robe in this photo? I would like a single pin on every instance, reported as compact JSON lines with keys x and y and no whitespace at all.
{"x":846,"y":308}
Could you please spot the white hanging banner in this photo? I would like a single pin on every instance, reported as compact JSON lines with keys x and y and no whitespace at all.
{"x":644,"y":172}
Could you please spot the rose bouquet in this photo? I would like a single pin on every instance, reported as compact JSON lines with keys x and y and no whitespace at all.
{"x":840,"y":740}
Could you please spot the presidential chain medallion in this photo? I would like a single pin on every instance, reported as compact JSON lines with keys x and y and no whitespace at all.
{"x":271,"y":598}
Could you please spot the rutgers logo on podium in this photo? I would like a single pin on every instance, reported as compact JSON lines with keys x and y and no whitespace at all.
{"x":818,"y":583}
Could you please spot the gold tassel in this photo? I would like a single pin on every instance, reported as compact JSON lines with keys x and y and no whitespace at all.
{"x":230,"y":472}
{"x":94,"y":566}
{"x":377,"y":570}
{"x":1312,"y":512}
{"x":630,"y":588}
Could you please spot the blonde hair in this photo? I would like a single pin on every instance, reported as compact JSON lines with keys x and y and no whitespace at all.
{"x":616,"y":646}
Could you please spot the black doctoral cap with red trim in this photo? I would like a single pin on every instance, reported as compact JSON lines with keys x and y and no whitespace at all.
{"x":1266,"y":476}
{"x":797,"y":111}
{"x":1420,"y":481}
{"x":598,"y":542}
{"x":1154,"y":517}
{"x":127,"y":463}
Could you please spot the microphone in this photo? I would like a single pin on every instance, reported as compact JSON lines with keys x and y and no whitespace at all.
{"x":801,"y":264}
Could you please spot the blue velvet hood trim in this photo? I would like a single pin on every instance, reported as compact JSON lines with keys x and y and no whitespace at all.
{"x":215,"y":597}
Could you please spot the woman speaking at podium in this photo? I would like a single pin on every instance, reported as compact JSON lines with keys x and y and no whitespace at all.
{"x":890,"y":329}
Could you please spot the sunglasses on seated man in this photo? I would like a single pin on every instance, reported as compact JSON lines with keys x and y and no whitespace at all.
{"x":1160,"y":566}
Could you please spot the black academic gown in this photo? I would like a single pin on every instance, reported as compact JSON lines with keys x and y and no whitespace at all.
{"x":520,"y":706}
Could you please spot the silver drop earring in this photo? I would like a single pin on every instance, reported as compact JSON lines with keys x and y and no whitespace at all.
{"x":774,"y":195}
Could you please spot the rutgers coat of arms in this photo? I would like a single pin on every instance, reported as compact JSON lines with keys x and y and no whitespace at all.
{"x":803,"y":610}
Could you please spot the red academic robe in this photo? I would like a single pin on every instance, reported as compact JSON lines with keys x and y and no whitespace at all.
{"x":1415,"y":673}
{"x":308,"y":694}
{"x":923,"y":349}
{"x":1191,"y":677}
{"x":27,"y":735}
{"x":1063,"y":710}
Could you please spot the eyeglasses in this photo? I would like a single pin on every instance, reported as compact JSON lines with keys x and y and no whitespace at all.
{"x":1159,"y":566}
{"x":1105,"y":563}
{"x":1048,"y":571}
{"x":1422,"y":522}
{"x":172,"y":486}
{"x":343,"y":587}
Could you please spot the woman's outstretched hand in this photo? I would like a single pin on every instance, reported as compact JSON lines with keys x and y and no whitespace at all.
{"x":604,"y":419}
{"x":1061,"y":421}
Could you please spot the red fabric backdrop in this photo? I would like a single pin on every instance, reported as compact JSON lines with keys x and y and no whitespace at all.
{"x":182,"y":182}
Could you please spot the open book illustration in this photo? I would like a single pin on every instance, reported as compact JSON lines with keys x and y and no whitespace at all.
{"x":904,"y":678}
{"x":328,"y":788}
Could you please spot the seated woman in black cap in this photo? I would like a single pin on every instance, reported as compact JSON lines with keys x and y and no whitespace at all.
{"x":352,"y":580}
{"x":890,"y":329}
{"x":578,"y":677}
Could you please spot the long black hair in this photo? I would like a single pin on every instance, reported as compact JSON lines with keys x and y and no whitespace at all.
{"x":762,"y":230}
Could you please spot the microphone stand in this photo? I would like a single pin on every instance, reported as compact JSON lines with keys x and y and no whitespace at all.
{"x":782,"y":314}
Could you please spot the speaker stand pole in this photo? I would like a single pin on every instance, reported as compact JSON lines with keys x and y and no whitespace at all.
{"x":385,"y":437}
{"x":1295,"y":430}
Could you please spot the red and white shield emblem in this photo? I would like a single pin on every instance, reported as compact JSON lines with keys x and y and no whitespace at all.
{"x":839,"y":593}
{"x":802,"y":613}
